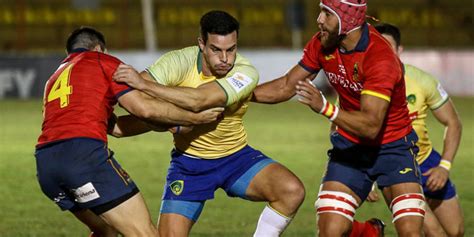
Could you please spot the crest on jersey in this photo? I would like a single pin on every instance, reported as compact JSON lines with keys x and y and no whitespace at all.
{"x":177,"y":187}
{"x":411,"y":99}
{"x":355,"y":73}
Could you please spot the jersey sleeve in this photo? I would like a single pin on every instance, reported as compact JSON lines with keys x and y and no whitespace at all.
{"x":436,"y":96}
{"x":310,"y":55}
{"x":109,"y":65}
{"x":240,"y":83}
{"x":382,"y":73}
{"x":170,"y":69}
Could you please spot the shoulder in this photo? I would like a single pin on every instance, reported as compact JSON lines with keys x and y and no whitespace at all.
{"x":188,"y":53}
{"x":422,"y":78}
{"x":243,"y":65}
{"x":180,"y":58}
{"x":418,"y":74}
{"x":379,"y":53}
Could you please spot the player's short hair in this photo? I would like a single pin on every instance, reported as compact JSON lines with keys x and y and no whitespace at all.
{"x":218,"y":22}
{"x":85,"y":37}
{"x":388,"y":29}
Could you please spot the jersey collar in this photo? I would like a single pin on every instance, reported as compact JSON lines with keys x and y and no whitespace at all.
{"x":199,"y":61}
{"x":363,"y":41}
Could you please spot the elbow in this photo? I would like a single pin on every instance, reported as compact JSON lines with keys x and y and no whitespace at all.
{"x":459,"y":124}
{"x":371,"y":132}
{"x":116,"y":134}
{"x":372,"y":135}
{"x":196,"y":105}
{"x":143,"y":111}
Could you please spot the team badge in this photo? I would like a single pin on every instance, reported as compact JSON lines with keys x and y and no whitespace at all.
{"x":177,"y":187}
{"x":355,"y":73}
{"x":411,"y":99}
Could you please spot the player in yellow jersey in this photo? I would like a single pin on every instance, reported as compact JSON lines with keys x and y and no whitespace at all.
{"x":424,"y":92}
{"x":215,"y":155}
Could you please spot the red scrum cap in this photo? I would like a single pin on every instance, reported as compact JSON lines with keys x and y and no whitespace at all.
{"x":350,"y":13}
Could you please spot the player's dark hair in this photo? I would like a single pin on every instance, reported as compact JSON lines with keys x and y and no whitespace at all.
{"x":391,"y":30}
{"x":218,"y":22}
{"x":85,"y":37}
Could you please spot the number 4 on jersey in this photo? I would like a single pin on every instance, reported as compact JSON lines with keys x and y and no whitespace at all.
{"x":61,"y":88}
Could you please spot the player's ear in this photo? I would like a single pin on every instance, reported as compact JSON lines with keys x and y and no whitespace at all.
{"x":400,"y":50}
{"x":97,"y":48}
{"x":201,"y":43}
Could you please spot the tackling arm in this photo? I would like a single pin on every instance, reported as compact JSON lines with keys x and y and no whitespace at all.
{"x":128,"y":125}
{"x":158,"y":112}
{"x":194,"y":99}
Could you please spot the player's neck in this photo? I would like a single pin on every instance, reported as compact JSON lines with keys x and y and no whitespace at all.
{"x":205,"y":68}
{"x":350,"y":41}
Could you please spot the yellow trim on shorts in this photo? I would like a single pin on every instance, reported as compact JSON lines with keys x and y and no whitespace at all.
{"x":376,"y":94}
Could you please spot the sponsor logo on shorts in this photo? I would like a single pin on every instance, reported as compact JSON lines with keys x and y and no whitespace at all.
{"x":85,"y":193}
{"x":406,"y":170}
{"x":177,"y":187}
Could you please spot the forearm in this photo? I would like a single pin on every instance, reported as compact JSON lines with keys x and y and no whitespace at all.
{"x":184,"y":97}
{"x":162,"y":113}
{"x":273,"y":92}
{"x":452,"y":138}
{"x":358,"y":123}
{"x":129,"y":125}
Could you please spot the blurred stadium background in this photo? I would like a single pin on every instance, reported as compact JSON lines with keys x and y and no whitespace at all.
{"x":438,"y":37}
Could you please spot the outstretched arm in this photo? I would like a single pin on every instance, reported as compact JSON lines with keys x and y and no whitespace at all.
{"x":194,"y":99}
{"x":280,"y":89}
{"x":446,"y":115}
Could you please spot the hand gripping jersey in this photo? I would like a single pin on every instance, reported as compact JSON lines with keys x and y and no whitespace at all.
{"x":423,"y":91}
{"x":221,"y":138}
{"x":371,"y":68}
{"x":79,"y":98}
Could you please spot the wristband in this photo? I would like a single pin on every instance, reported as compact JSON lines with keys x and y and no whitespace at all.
{"x":329,"y":110}
{"x":445,"y":164}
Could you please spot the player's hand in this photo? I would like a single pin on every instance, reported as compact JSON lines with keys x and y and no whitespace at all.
{"x":127,"y":74}
{"x":437,"y":178}
{"x":209,"y":115}
{"x":373,"y":196}
{"x":309,"y":95}
{"x":181,"y":129}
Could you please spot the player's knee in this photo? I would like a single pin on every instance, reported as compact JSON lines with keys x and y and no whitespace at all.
{"x":332,"y":227}
{"x":455,"y":230}
{"x":293,"y":192}
{"x":409,"y":230}
{"x":141,"y":229}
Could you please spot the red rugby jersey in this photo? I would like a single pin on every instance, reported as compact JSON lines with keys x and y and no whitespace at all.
{"x":79,"y":97}
{"x":371,"y":68}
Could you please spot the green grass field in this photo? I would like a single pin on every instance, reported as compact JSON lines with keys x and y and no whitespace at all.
{"x":289,"y":133}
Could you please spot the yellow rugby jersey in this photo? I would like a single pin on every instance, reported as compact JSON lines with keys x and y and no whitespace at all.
{"x":221,"y":138}
{"x":423,"y":91}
